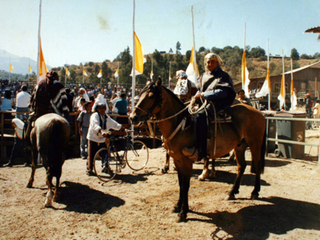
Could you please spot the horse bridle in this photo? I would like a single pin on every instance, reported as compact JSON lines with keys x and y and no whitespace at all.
{"x":157,"y":102}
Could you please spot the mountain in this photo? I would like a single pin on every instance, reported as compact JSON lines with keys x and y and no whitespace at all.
{"x":20,"y":64}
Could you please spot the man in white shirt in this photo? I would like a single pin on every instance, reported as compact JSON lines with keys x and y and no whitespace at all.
{"x":100,"y":124}
{"x":22,"y":103}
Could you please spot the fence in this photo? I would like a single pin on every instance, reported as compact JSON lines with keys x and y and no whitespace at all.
{"x":277,"y":140}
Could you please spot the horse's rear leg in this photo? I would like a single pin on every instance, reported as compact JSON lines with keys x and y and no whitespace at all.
{"x":56,"y":195}
{"x":33,"y":167}
{"x":205,"y":171}
{"x":165,"y":169}
{"x":213,"y":170}
{"x":257,"y":170}
{"x":241,"y":165}
{"x":49,"y":197}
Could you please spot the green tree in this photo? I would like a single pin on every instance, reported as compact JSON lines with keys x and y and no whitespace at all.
{"x":294,"y":54}
{"x":257,"y":52}
{"x":178,"y":48}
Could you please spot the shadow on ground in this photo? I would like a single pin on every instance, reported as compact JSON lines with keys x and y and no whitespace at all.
{"x":277,"y":216}
{"x":83,"y":199}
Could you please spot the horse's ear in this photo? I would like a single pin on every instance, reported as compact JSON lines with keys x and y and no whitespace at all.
{"x":159,"y":82}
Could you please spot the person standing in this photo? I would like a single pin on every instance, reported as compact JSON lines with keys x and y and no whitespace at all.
{"x":19,"y":145}
{"x":22,"y":103}
{"x":122,"y":106}
{"x":216,"y":86}
{"x":242,"y":97}
{"x":100,"y":123}
{"x":83,"y":126}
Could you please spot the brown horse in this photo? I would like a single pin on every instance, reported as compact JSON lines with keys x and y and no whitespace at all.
{"x":50,"y":139}
{"x":248,"y":124}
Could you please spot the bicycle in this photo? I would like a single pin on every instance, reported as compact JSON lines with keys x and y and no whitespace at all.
{"x":120,"y":151}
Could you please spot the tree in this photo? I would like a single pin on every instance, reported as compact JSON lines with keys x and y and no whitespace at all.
{"x":294,"y":54}
{"x":202,"y":50}
{"x":257,"y":52}
{"x":178,"y":48}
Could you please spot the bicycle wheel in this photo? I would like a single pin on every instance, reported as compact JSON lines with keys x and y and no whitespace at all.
{"x":137,"y":155}
{"x":105,"y":164}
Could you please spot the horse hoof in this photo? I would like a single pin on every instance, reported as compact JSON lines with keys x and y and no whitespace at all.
{"x":163,"y":170}
{"x":29,"y":185}
{"x":254,"y":196}
{"x":212,"y":175}
{"x":230,"y":197}
{"x":176,"y":209}
{"x":181,"y":218}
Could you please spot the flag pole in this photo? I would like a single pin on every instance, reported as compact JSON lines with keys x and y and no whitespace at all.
{"x":169,"y":75}
{"x":39,"y":41}
{"x":10,"y":71}
{"x":118,"y":75}
{"x":194,"y":46}
{"x":151,"y":76}
{"x":29,"y":73}
{"x":283,"y":81}
{"x":268,"y":65}
{"x":133,"y":65}
{"x":82,"y":74}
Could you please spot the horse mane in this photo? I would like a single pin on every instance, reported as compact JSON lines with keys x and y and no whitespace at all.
{"x":174,"y":96}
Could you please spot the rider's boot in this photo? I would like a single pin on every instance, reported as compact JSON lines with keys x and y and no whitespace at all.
{"x":200,"y":151}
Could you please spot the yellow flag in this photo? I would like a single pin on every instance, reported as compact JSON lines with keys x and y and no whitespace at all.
{"x":138,"y":54}
{"x":11,"y":68}
{"x":282,"y":94}
{"x":268,"y":79}
{"x":42,"y":64}
{"x":100,"y":74}
{"x":30,"y":69}
{"x":84,"y":72}
{"x":67,"y":72}
{"x":245,"y":75}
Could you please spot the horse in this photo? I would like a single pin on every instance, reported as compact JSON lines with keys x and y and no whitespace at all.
{"x":248,"y":128}
{"x":49,"y":138}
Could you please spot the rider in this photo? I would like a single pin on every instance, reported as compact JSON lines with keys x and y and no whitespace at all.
{"x":183,"y":86}
{"x":216,"y":86}
{"x":49,"y":96}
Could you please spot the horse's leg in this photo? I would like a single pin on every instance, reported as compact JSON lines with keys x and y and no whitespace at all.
{"x":48,"y":202}
{"x":257,"y":171}
{"x":56,"y":190}
{"x":177,"y":207}
{"x":205,"y":171}
{"x":184,"y":190}
{"x":165,"y":169}
{"x":213,"y":170}
{"x":33,"y":167}
{"x":241,"y":165}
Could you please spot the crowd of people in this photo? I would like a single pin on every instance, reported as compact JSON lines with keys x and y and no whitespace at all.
{"x":49,"y":95}
{"x":92,"y":106}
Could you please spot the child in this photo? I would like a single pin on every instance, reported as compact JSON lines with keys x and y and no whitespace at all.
{"x":83,"y":125}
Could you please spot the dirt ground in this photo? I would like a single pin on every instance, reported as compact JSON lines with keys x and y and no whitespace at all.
{"x":138,"y":205}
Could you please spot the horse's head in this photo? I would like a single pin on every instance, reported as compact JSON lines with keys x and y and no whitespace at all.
{"x":148,"y":104}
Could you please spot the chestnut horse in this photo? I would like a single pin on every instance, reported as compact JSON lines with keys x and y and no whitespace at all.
{"x":156,"y":101}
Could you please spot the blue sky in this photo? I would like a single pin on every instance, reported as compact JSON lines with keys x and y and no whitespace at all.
{"x":75,"y":31}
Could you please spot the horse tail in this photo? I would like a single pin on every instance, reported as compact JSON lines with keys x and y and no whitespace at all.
{"x":261,"y":163}
{"x":57,"y":147}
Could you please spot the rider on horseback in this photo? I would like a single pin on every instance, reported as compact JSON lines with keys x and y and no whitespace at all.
{"x":216,"y":86}
{"x":49,"y":96}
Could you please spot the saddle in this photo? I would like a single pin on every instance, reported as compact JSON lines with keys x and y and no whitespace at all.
{"x":222,"y":116}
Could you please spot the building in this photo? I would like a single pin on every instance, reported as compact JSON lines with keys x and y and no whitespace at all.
{"x":305,"y":80}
